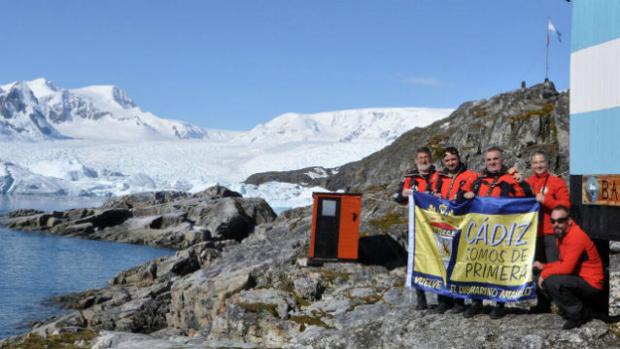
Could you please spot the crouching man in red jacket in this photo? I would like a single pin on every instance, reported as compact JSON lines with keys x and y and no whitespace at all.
{"x":575,"y":278}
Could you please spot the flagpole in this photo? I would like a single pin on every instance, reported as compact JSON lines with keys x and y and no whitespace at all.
{"x":410,"y":242}
{"x":547,"y":52}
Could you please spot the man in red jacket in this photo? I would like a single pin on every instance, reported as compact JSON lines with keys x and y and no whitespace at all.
{"x":495,"y":182}
{"x":455,"y":179}
{"x":551,"y":192}
{"x":422,"y":178}
{"x":451,"y":184}
{"x":578,"y":274}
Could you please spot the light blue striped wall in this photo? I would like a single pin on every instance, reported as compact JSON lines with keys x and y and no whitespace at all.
{"x":594,"y":22}
{"x":595,"y":142}
{"x":595,"y":135}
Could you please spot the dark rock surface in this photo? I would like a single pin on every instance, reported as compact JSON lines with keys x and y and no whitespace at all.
{"x":309,"y":176}
{"x":169,"y":219}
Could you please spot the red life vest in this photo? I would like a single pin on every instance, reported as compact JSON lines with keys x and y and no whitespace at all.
{"x":449,"y":186}
{"x":500,"y":184}
{"x":556,"y":193}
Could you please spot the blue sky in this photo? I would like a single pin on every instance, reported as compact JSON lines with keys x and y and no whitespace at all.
{"x":232,"y":64}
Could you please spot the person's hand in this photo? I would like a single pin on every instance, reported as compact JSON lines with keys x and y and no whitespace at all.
{"x":406,"y":192}
{"x":512,"y":170}
{"x":469,"y":195}
{"x":540,"y":197}
{"x":537,"y":265}
{"x":437,"y":195}
{"x":518,"y":177}
{"x":540,"y":282}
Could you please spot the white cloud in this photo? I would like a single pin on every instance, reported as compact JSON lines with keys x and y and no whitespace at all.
{"x":424,"y":81}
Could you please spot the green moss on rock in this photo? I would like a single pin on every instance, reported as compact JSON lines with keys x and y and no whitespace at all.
{"x":385,"y":222}
{"x":77,"y":340}
{"x":259,"y":307}
{"x":305,"y":320}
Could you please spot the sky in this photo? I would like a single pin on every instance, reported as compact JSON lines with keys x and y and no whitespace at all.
{"x":233,"y":64}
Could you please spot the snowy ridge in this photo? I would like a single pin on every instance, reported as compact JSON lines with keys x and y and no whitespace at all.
{"x":95,"y":112}
{"x":344,"y":126}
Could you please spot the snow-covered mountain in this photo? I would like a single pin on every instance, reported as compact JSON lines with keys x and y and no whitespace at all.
{"x":37,"y":109}
{"x":66,"y":141}
{"x":21,"y":115}
{"x":344,"y":126}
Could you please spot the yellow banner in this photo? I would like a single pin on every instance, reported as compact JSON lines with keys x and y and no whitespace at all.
{"x":483,"y":248}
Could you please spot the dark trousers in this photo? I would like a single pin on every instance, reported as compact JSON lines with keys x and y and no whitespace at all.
{"x":546,"y":252}
{"x":569,"y":292}
{"x":450,"y":300}
{"x":547,"y":249}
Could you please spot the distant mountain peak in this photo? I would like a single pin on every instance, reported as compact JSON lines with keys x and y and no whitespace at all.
{"x":94,"y":112}
{"x":107,"y":94}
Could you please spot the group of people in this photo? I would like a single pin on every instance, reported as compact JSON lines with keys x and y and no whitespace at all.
{"x":567,"y":266}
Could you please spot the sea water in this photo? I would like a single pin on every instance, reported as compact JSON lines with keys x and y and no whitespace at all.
{"x":35,"y":266}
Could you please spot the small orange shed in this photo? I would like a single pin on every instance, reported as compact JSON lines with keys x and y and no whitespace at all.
{"x":335,"y":226}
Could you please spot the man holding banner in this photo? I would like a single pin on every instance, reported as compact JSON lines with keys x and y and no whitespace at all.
{"x":421,"y":179}
{"x":482,"y":248}
{"x":453,"y":181}
{"x":495,"y":182}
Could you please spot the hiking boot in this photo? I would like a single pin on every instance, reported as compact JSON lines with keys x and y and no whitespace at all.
{"x":540,"y":309}
{"x":474,"y":309}
{"x":442,"y":307}
{"x":421,"y":301}
{"x":570,"y":324}
{"x":498,"y":311}
{"x":459,"y":307}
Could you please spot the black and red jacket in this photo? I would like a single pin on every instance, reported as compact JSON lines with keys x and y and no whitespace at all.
{"x":453,"y":186}
{"x":422,"y":183}
{"x":500,"y":184}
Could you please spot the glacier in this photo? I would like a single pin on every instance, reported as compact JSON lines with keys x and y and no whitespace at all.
{"x":95,"y":141}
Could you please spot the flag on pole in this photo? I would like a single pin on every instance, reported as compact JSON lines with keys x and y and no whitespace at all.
{"x":551,"y":29}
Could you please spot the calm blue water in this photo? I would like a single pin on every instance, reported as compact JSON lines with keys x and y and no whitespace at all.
{"x":34,"y":266}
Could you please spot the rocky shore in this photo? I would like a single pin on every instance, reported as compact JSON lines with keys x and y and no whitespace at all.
{"x":164,"y":219}
{"x":245,"y":285}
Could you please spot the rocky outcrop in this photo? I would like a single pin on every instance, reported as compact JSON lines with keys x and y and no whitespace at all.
{"x":310,"y":176}
{"x":258,"y":293}
{"x":520,"y":121}
{"x":170,"y":219}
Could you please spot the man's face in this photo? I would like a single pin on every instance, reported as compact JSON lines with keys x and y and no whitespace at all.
{"x":423,"y":161}
{"x":451,"y":162}
{"x":539,"y":164}
{"x":559,"y":221}
{"x":493,"y":160}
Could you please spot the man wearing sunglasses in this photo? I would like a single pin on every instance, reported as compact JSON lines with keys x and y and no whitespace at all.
{"x":578,"y":274}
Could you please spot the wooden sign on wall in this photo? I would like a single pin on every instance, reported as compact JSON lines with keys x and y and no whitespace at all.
{"x":601,"y":190}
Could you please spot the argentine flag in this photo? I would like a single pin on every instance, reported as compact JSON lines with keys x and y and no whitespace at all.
{"x":551,"y":29}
